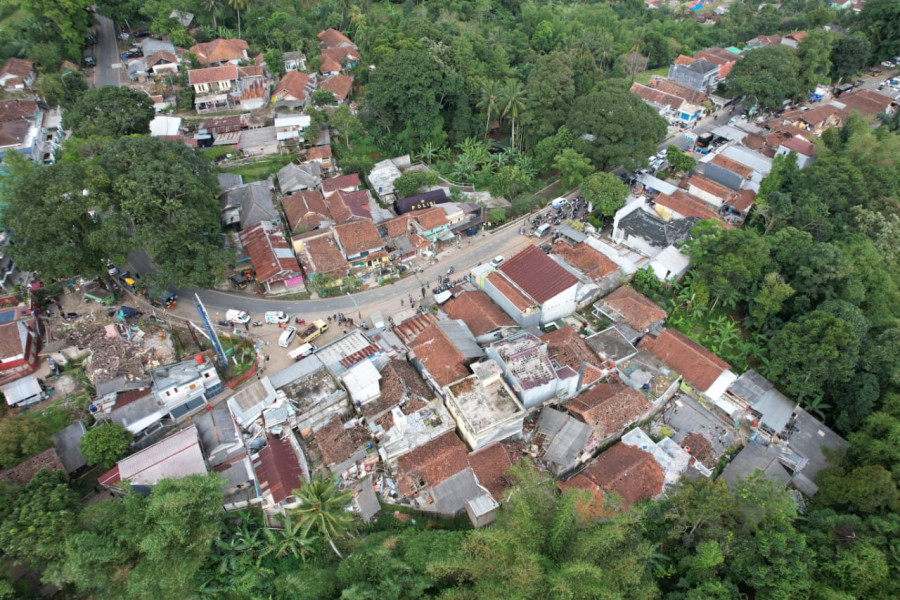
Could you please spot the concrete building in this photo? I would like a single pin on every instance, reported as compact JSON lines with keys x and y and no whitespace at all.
{"x":484,"y":407}
{"x":527,"y":368}
{"x":183,"y":388}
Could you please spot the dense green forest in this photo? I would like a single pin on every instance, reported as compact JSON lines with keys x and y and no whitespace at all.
{"x":807,"y":292}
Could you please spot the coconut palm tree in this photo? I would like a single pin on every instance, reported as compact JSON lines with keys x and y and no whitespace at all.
{"x":238,"y":6}
{"x":323,"y":507}
{"x":290,"y":540}
{"x":513,"y":100}
{"x":490,"y":100}
{"x":213,"y":7}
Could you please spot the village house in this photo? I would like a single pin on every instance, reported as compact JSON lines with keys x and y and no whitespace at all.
{"x":815,"y":120}
{"x":431,"y":223}
{"x":620,"y":477}
{"x":485,"y":320}
{"x":248,"y":205}
{"x":280,"y":468}
{"x":361,"y":245}
{"x":173,"y":457}
{"x":438,"y":359}
{"x":294,"y":60}
{"x":805,"y":150}
{"x":162,"y":62}
{"x":649,"y":375}
{"x":702,"y":370}
{"x":272,"y":258}
{"x":215,"y":88}
{"x":763,"y":40}
{"x":528,"y":370}
{"x":320,"y":255}
{"x":713,"y":193}
{"x":609,"y":408}
{"x":567,"y":349}
{"x":530,"y":286}
{"x":29,"y":129}
{"x":681,"y":205}
{"x":290,"y":130}
{"x":670,"y":107}
{"x":597,"y":273}
{"x":630,"y":308}
{"x":20,"y":345}
{"x":292,"y":178}
{"x":221,"y":51}
{"x":320,"y":155}
{"x":17,"y":74}
{"x":699,"y":74}
{"x":305,"y":210}
{"x":184,"y":388}
{"x":672,"y":459}
{"x":227,"y":456}
{"x":383,"y":174}
{"x":339,"y":85}
{"x":793,"y":40}
{"x":294,"y":90}
{"x":485,"y":408}
{"x":357,"y":202}
{"x":347,"y":183}
{"x":754,"y":398}
{"x":561,"y":442}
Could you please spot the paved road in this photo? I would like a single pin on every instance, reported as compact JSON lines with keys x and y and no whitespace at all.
{"x":107,"y":54}
{"x":386,"y":299}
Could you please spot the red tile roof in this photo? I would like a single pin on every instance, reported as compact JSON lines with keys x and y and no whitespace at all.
{"x":220,"y":50}
{"x":344,"y":182}
{"x":332,"y":38}
{"x":318,"y":153}
{"x":292,"y":87}
{"x":626,"y":470}
{"x":609,"y":407}
{"x":744,"y":200}
{"x":12,"y":110}
{"x":566,"y":347}
{"x":478,"y":312}
{"x":278,"y":470}
{"x":251,"y":71}
{"x":509,"y":291}
{"x":306,"y":207}
{"x":431,"y":463}
{"x":699,"y":366}
{"x":356,"y":202}
{"x":440,"y":357}
{"x":587,"y":260}
{"x":270,"y":254}
{"x":816,"y":116}
{"x":10,"y":341}
{"x":339,"y":85}
{"x":656,"y":97}
{"x":409,"y":329}
{"x":732,"y":165}
{"x":399,"y":381}
{"x":709,"y":186}
{"x":639,"y":312}
{"x":537,"y":274}
{"x":329,"y":64}
{"x":676,"y":89}
{"x":800,"y":145}
{"x":490,"y":465}
{"x":397,"y":226}
{"x":867,"y":102}
{"x":337,"y":443}
{"x":686,"y":205}
{"x":18,"y":67}
{"x":322,"y":255}
{"x":358,"y":236}
{"x":700,"y":448}
{"x":161,"y":56}
{"x":430,"y":218}
{"x":212,"y":74}
{"x":336,"y":207}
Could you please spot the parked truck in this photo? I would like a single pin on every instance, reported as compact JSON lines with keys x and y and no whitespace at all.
{"x":310,"y":333}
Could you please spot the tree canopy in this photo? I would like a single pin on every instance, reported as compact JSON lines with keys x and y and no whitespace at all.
{"x":109,"y":111}
{"x":767,"y":76}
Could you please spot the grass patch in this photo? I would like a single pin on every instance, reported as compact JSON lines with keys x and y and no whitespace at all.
{"x":258,"y":171}
{"x":61,"y":413}
{"x":217,"y":151}
{"x":297,"y":296}
{"x":644,"y":78}
{"x":385,"y":520}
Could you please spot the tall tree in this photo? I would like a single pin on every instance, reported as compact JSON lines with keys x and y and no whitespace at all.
{"x":323,"y":510}
{"x":768,"y":76}
{"x":573,"y":167}
{"x":105,"y":444}
{"x":238,"y":6}
{"x":110,"y":111}
{"x":213,"y":7}
{"x":489,"y":102}
{"x":881,"y":22}
{"x":850,"y":54}
{"x":512,"y":98}
{"x":605,"y":191}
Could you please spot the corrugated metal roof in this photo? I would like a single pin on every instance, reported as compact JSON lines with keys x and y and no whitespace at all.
{"x":176,"y":456}
{"x":537,"y":274}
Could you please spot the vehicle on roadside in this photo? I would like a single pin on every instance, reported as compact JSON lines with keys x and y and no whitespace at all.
{"x":277,"y":317}
{"x":316,"y":329}
{"x":88,"y":56}
{"x":161,"y":297}
{"x":302,"y":352}
{"x":237,"y":316}
{"x":888,"y":64}
{"x":497,"y":260}
{"x":287,"y":336}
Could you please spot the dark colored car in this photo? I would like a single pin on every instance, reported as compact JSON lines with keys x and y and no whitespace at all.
{"x":142,"y":33}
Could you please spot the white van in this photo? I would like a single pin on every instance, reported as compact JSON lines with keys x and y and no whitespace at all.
{"x":277,"y":317}
{"x":542,"y":230}
{"x":287,"y":336}
{"x":377,"y":320}
{"x":237,"y":316}
{"x":559,"y":203}
{"x":302,"y":352}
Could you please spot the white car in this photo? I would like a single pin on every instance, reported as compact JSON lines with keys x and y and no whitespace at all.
{"x":888,"y":64}
{"x":497,"y":260}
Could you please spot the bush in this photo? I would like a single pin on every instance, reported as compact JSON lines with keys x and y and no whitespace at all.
{"x":21,"y":437}
{"x":106,"y":444}
{"x":411,"y":182}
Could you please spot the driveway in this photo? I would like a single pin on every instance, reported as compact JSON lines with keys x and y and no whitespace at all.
{"x":109,"y":65}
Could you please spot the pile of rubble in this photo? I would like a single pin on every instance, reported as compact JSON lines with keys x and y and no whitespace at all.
{"x":115,"y":351}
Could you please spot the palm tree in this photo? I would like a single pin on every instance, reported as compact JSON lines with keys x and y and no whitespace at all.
{"x":323,"y":507}
{"x":513,"y":100}
{"x":213,"y":6}
{"x":490,"y":99}
{"x":238,"y":6}
{"x":290,"y":540}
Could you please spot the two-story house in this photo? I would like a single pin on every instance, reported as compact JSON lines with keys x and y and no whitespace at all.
{"x":215,"y":88}
{"x":431,"y":223}
{"x":182,"y":388}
